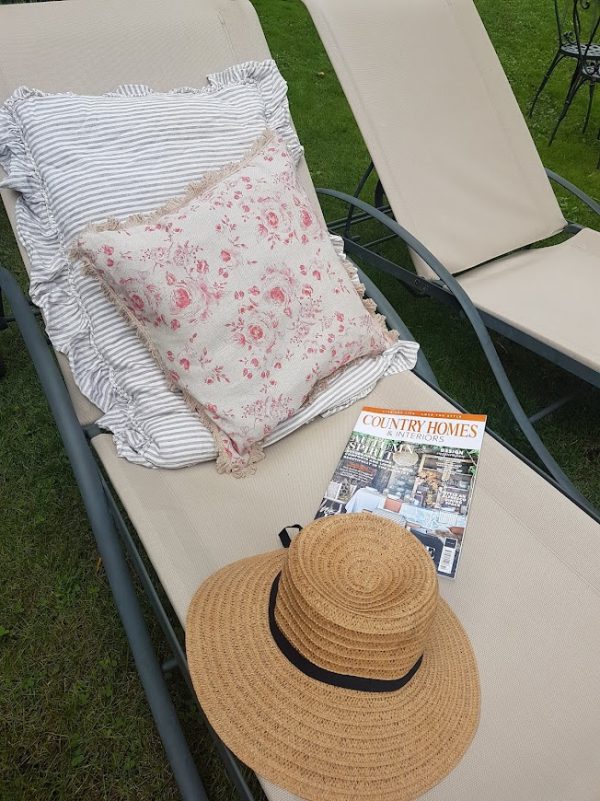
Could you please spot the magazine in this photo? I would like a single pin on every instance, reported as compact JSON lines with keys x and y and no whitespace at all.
{"x":416,"y":468}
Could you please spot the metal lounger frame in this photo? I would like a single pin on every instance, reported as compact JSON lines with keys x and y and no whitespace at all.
{"x":448,"y":290}
{"x":116,"y":542}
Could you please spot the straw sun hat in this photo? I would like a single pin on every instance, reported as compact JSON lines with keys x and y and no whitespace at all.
{"x":333,"y":669}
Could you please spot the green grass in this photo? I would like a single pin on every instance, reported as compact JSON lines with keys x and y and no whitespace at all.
{"x":73,"y":719}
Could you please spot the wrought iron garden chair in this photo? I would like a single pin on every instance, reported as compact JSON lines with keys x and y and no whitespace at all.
{"x":585,"y":25}
{"x":575,"y":26}
{"x":529,"y":592}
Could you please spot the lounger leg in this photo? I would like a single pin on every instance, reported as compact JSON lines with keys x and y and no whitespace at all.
{"x":379,"y":195}
{"x":574,"y":87}
{"x":357,"y":191}
{"x":554,"y":63}
{"x":592,"y":87}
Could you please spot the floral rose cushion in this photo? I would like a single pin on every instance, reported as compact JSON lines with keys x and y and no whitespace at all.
{"x":239,"y":295}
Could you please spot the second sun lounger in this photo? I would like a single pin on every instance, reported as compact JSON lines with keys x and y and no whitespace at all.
{"x":462,"y":175}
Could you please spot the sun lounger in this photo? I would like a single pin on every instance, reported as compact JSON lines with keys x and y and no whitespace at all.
{"x":528,"y":593}
{"x":462,"y":175}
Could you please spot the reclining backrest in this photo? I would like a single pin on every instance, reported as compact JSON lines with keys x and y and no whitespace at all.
{"x":92,"y":46}
{"x":444,"y":130}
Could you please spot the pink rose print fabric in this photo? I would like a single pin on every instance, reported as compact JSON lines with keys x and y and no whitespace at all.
{"x":240,"y":296}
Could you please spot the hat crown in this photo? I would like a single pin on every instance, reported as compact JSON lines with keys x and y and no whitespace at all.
{"x":357,"y":596}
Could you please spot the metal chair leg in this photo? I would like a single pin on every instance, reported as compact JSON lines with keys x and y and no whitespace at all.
{"x":553,"y":65}
{"x":592,"y":88}
{"x":576,"y":84}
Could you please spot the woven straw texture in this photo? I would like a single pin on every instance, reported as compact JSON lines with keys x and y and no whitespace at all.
{"x":358,"y":595}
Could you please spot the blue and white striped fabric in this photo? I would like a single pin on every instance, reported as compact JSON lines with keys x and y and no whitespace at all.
{"x":77,"y":159}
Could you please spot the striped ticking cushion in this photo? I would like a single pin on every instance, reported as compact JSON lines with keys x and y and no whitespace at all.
{"x":77,"y":159}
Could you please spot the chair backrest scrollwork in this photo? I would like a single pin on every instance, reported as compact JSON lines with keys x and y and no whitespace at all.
{"x":578,"y":23}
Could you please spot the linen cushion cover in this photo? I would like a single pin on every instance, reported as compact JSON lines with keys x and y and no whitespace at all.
{"x":75,"y":159}
{"x":239,"y":294}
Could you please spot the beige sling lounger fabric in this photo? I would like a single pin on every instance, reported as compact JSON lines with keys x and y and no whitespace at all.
{"x":92,"y":46}
{"x":442,"y":125}
{"x":528,"y":590}
{"x":458,"y":164}
{"x":550,"y":293}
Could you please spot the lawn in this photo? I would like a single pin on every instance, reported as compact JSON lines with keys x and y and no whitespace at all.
{"x":73,"y":719}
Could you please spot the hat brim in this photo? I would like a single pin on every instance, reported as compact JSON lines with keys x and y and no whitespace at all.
{"x":318,"y":741}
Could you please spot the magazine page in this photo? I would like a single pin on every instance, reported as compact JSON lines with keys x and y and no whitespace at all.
{"x":417,"y":468}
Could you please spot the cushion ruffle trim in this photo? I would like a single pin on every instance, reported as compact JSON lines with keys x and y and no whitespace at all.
{"x":55,"y":283}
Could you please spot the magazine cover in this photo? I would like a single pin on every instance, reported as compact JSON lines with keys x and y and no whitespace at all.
{"x":416,"y":468}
